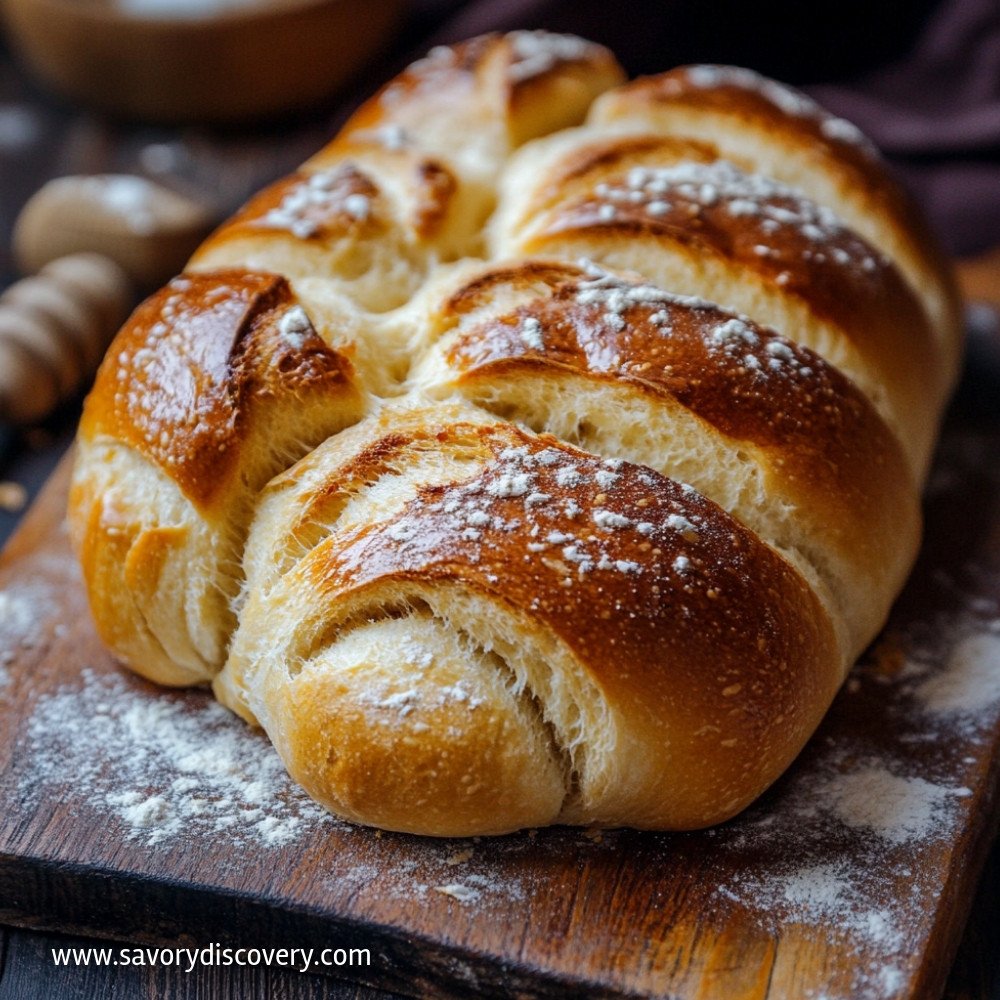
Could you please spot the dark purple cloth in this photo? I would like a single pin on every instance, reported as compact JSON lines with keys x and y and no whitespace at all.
{"x":936,"y":113}
{"x":922,"y":78}
{"x":943,"y":96}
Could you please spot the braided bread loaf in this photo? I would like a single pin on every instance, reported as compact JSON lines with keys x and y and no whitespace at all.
{"x":511,"y":482}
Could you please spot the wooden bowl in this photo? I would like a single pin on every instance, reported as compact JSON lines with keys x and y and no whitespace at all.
{"x":229,"y":62}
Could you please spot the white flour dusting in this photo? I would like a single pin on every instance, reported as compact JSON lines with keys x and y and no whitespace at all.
{"x":34,"y":609}
{"x":457,"y":890}
{"x":971,"y":682}
{"x":19,"y":618}
{"x":825,"y":892}
{"x":165,"y":769}
{"x":897,"y":809}
{"x":486,"y":882}
{"x":858,"y":827}
{"x":819,"y":887}
{"x":22,"y":624}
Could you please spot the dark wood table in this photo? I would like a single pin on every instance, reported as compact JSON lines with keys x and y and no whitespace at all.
{"x":41,"y":138}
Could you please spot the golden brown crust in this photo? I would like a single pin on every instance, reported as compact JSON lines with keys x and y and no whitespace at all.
{"x":790,"y":114}
{"x":310,"y":206}
{"x":184,"y":377}
{"x":711,"y":229}
{"x":446,"y":75}
{"x":629,"y":572}
{"x":534,"y":80}
{"x":214,"y":384}
{"x":748,"y":382}
{"x":616,"y":563}
{"x":838,"y":275}
{"x":451,"y":625}
{"x":736,"y":91}
{"x":778,"y":436}
{"x":760,"y":227}
{"x":794,"y":124}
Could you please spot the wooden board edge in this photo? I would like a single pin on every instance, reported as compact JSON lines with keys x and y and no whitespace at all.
{"x":37,"y":519}
{"x":77,"y":899}
{"x":968,"y":862}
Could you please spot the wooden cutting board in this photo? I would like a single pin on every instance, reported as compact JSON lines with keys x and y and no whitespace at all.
{"x":153,"y":816}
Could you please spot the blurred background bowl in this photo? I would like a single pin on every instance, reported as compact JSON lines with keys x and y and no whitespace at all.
{"x":213,"y":61}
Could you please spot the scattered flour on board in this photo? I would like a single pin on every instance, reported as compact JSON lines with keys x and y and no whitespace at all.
{"x":170,"y":770}
{"x":21,"y":621}
{"x":19,"y":624}
{"x":164,"y":768}
{"x":477,"y":875}
{"x":34,"y":608}
{"x":858,"y":825}
{"x":971,"y":682}
{"x":897,"y":809}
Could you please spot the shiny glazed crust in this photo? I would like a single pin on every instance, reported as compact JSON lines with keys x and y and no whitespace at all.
{"x":544,"y":450}
{"x":786,"y":135}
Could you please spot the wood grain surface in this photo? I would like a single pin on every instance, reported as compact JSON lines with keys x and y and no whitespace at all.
{"x":818,"y":890}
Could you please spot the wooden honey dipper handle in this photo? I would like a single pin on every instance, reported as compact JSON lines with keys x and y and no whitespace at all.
{"x":54,"y":329}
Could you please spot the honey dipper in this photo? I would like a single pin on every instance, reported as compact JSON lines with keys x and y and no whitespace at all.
{"x":54,"y":328}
